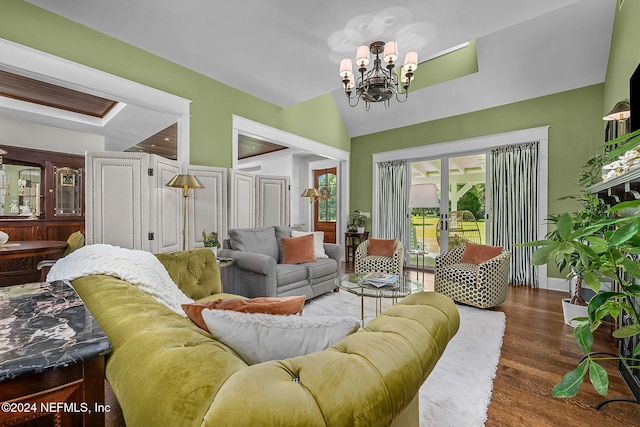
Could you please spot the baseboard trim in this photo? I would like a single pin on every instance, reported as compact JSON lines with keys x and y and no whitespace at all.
{"x":556,"y":284}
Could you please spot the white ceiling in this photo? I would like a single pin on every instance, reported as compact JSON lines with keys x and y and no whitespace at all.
{"x":287,"y":51}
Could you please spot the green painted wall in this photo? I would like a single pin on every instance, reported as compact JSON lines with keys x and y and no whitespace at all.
{"x":213,"y":103}
{"x":456,"y":64}
{"x":574,"y":117}
{"x":624,"y":55}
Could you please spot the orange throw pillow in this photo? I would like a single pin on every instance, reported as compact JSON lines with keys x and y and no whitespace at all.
{"x":477,"y":254}
{"x":296,"y":250}
{"x":265,"y":305}
{"x":384,"y":247}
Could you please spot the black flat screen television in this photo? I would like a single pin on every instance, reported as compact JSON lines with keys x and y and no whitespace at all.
{"x":634,"y":99}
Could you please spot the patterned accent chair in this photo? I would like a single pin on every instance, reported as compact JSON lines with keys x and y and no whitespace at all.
{"x":383,"y":264}
{"x":481,"y":285}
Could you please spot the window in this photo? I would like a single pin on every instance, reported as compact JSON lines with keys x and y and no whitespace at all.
{"x":326,"y":184}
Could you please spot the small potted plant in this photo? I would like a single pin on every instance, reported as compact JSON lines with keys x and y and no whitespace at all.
{"x":210,"y":240}
{"x":357,"y":221}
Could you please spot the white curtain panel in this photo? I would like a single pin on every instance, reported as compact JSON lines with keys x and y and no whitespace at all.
{"x":514,"y":196}
{"x":392,"y":210}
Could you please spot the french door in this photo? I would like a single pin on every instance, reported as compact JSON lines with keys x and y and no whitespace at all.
{"x":325,"y":211}
{"x":448,"y":205}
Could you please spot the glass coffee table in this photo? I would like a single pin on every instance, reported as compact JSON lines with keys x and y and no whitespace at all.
{"x":356,"y":284}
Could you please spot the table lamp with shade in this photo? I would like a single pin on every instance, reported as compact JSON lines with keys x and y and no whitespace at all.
{"x":185,"y":182}
{"x":620,"y":112}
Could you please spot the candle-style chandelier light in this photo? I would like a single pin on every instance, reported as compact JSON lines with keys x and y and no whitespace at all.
{"x":379,"y":84}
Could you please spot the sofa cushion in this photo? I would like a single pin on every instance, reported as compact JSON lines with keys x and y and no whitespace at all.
{"x":265,"y":305}
{"x":322,"y":267}
{"x":477,"y":254}
{"x":256,"y":240}
{"x":382,"y":247}
{"x":296,"y":250}
{"x":318,"y":242}
{"x":258,"y":338}
{"x":290,"y":273}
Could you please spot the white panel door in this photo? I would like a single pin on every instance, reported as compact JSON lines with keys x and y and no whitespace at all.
{"x":117,"y":209}
{"x":208,"y":205}
{"x":165,"y":206}
{"x":272,"y":200}
{"x":241,"y":199}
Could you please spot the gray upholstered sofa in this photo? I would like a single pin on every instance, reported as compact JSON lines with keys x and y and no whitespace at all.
{"x":258,"y":270}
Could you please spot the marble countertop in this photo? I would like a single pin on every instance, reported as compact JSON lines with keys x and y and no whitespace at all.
{"x":44,"y":326}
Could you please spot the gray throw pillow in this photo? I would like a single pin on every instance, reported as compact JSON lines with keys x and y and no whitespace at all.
{"x":255,"y":240}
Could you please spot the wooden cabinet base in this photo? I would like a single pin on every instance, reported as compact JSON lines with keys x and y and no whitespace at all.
{"x":68,"y":396}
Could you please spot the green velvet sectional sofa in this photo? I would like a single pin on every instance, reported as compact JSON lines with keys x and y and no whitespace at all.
{"x":165,"y":371}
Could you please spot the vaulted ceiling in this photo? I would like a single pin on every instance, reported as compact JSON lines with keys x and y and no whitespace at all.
{"x":287,"y":51}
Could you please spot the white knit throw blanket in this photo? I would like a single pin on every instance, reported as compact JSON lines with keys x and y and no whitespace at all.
{"x":139,"y":268}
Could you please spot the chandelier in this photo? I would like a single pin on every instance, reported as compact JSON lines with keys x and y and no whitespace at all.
{"x":379,"y":84}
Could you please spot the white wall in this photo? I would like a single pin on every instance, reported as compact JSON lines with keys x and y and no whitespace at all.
{"x":295,"y":168}
{"x":32,"y":135}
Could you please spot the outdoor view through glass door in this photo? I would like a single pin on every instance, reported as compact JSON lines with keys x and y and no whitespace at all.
{"x":443,"y":220}
{"x":325,"y":208}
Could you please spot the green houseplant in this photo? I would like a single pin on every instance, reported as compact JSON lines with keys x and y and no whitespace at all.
{"x":600,"y":249}
{"x":210,"y":240}
{"x":598,"y":243}
{"x":357,"y":221}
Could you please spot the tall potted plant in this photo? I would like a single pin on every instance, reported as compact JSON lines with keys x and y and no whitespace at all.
{"x":603,"y":249}
{"x":592,"y":210}
{"x":598,"y":244}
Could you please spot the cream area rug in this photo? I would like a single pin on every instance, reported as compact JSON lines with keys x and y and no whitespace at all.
{"x":458,"y":391}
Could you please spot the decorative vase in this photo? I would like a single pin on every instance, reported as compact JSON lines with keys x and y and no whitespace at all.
{"x":4,"y":237}
{"x":214,"y":249}
{"x":360,"y":230}
{"x":571,"y":311}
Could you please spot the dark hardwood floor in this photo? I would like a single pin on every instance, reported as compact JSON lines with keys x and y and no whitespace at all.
{"x":536,"y":353}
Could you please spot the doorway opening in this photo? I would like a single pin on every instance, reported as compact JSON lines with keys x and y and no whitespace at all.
{"x":448,"y":206}
{"x":325,"y":213}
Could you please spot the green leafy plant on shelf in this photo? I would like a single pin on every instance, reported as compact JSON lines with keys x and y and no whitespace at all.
{"x":356,"y":220}
{"x":210,"y":240}
{"x":596,"y":243}
{"x":592,"y":171}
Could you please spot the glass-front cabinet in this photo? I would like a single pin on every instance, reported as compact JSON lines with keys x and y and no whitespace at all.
{"x":67,"y":191}
{"x":28,"y":193}
{"x":44,"y":185}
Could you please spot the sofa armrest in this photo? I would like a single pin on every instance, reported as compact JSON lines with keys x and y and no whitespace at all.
{"x":255,"y":263}
{"x":333,"y":251}
{"x":254,"y":275}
